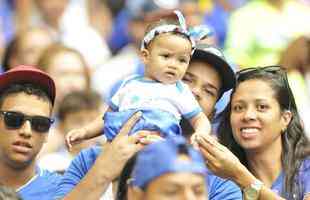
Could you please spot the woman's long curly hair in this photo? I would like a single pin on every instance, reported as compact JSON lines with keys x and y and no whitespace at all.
{"x":294,"y":141}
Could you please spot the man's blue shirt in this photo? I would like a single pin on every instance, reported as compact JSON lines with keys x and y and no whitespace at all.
{"x":218,"y":189}
{"x":42,"y":186}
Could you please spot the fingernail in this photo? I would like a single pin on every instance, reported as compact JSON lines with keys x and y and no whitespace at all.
{"x":210,"y":141}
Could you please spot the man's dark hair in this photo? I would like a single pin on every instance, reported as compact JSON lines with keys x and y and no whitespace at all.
{"x":124,"y":178}
{"x":27,"y":88}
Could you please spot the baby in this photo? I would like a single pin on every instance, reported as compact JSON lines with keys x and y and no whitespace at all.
{"x":159,"y":94}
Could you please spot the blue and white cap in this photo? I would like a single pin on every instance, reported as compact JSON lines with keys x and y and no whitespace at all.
{"x":214,"y":56}
{"x":165,"y":157}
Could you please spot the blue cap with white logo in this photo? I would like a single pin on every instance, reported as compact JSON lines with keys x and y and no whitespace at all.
{"x":169,"y":156}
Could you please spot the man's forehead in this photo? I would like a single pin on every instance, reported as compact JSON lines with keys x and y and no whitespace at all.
{"x":206,"y":81}
{"x":13,"y":98}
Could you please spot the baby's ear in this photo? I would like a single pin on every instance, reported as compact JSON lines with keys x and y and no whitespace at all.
{"x":144,"y":53}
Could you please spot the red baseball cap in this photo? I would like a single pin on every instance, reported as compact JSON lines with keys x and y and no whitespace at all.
{"x":28,"y":74}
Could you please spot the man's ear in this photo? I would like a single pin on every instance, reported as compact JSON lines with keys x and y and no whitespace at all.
{"x":145,"y":54}
{"x":134,"y":193}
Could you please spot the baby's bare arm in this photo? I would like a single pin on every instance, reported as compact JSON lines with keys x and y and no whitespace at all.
{"x":201,"y":124}
{"x":202,"y":127}
{"x":91,"y":130}
{"x":95,"y":128}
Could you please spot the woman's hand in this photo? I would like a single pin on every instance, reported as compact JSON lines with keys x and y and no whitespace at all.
{"x":220,"y":160}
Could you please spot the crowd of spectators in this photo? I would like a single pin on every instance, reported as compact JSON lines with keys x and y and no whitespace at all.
{"x":88,"y":47}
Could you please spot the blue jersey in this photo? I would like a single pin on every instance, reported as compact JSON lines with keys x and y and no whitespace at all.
{"x":42,"y":186}
{"x":222,"y":189}
{"x":218,"y":189}
{"x":303,"y":181}
{"x":162,"y":106}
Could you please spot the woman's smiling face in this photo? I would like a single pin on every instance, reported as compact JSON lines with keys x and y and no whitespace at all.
{"x":256,"y":119}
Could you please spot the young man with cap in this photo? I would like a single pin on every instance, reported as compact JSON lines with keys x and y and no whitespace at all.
{"x":209,"y":76}
{"x":26,"y":100}
{"x":168,"y":169}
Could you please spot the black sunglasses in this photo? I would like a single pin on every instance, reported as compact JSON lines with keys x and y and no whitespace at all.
{"x":275,"y":69}
{"x":15,"y":120}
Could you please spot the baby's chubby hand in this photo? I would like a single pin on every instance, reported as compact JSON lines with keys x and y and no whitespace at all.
{"x":75,"y":136}
{"x":194,"y":138}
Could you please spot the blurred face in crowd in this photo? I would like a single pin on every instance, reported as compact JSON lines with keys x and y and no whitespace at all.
{"x":2,"y":45}
{"x":178,"y":186}
{"x":78,"y":119}
{"x":31,"y":45}
{"x":69,"y":73}
{"x":19,"y":146}
{"x":53,"y":10}
{"x":136,"y":30}
{"x":205,"y":83}
{"x":192,"y":13}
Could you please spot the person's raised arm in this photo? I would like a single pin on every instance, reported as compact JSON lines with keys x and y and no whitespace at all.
{"x":108,"y":164}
